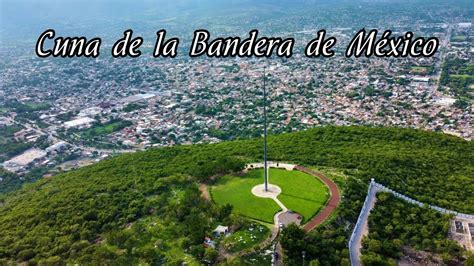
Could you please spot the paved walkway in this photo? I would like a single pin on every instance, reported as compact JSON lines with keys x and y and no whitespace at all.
{"x":272,"y":193}
{"x":361,"y":229}
{"x":288,"y":218}
{"x":333,"y":202}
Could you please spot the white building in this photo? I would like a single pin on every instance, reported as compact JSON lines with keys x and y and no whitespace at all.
{"x":421,"y":79}
{"x":57,"y":146}
{"x":221,"y":230}
{"x":92,"y":111}
{"x":137,"y":97}
{"x":80,"y":122}
{"x":464,"y":25}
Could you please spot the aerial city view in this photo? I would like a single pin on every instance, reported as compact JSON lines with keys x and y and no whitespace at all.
{"x":236,"y":160}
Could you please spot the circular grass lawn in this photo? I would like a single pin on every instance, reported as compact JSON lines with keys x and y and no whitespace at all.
{"x":302,"y":193}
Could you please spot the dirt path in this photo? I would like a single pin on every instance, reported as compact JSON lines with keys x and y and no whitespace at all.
{"x":334,"y":200}
{"x":205,"y":191}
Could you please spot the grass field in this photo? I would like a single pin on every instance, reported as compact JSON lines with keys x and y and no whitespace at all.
{"x":35,"y":106}
{"x":461,"y":76}
{"x":237,"y":192}
{"x":422,"y":70}
{"x":419,"y":69}
{"x":301,"y":193}
{"x":105,"y":129}
{"x":3,"y":110}
{"x":459,"y":38}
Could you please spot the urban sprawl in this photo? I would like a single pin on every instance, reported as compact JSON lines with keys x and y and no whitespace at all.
{"x":57,"y":114}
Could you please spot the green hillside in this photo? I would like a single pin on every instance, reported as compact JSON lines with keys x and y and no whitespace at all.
{"x":146,"y":207}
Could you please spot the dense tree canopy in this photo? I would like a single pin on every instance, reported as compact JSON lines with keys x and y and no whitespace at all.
{"x":394,"y":224}
{"x":81,"y":215}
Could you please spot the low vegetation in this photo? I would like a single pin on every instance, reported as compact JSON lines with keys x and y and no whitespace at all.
{"x":237,"y":192}
{"x":302,"y":193}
